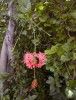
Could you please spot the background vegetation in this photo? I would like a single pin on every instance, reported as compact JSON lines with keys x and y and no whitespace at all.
{"x":53,"y":22}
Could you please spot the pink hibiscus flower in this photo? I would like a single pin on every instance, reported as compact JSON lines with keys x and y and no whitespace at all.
{"x":31,"y":62}
{"x":42,"y":59}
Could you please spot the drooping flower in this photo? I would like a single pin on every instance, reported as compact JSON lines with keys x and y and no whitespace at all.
{"x":42,"y":59}
{"x":29,"y":60}
{"x":33,"y":60}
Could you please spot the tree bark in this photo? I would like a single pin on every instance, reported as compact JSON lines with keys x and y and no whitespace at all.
{"x":6,"y":54}
{"x":3,"y":58}
{"x":6,"y":57}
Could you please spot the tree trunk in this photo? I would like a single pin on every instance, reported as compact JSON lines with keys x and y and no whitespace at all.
{"x":6,"y":54}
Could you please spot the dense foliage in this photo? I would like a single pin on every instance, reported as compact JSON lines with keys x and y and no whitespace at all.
{"x":50,"y":26}
{"x":3,"y":22}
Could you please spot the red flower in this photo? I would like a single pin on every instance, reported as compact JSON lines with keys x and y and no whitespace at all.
{"x":31,"y":62}
{"x":42,"y":59}
{"x":33,"y":85}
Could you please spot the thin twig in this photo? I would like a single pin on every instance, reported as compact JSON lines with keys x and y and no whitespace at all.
{"x":68,"y":71}
{"x":71,"y":7}
{"x":34,"y":55}
{"x":46,"y":32}
{"x":69,"y":34}
{"x":34,"y":74}
{"x":74,"y":73}
{"x":17,"y":40}
{"x":43,"y":30}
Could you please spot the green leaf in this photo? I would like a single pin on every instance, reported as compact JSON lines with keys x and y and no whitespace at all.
{"x":71,"y":66}
{"x":21,"y":16}
{"x":24,"y":32}
{"x":72,"y":83}
{"x":35,"y":41}
{"x":25,"y":90}
{"x":40,"y":28}
{"x":46,"y":25}
{"x":6,"y":91}
{"x":25,"y":5}
{"x":60,"y":52}
{"x":67,"y":47}
{"x":43,"y":18}
{"x":22,"y":9}
{"x":7,"y":97}
{"x":74,"y":93}
{"x":74,"y":56}
{"x":53,"y":21}
{"x":53,"y":49}
{"x":66,"y":57}
{"x":67,"y":0}
{"x":74,"y":46}
{"x":73,"y":14}
{"x":51,"y":82}
{"x":52,"y":69}
{"x":33,"y":97}
{"x":70,"y":39}
{"x":40,"y":6}
{"x":66,"y":75}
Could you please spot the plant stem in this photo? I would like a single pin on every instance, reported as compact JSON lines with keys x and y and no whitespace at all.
{"x":74,"y":73}
{"x":34,"y":74}
{"x":42,"y":30}
{"x":17,"y":40}
{"x":68,"y":71}
{"x":34,"y":54}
